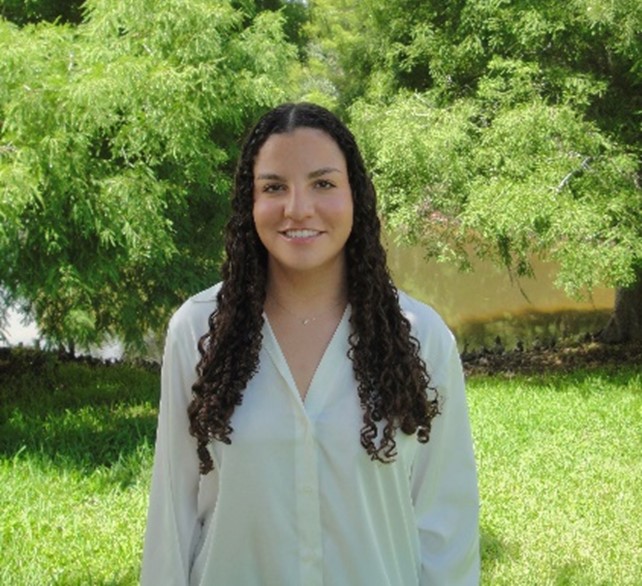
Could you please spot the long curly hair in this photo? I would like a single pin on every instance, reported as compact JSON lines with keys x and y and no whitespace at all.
{"x":392,"y":381}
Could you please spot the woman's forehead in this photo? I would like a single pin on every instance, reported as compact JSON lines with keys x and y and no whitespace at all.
{"x":303,"y":146}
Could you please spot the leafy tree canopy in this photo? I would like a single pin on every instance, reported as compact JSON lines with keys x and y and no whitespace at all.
{"x":501,"y":127}
{"x":117,"y":145}
{"x":29,"y":11}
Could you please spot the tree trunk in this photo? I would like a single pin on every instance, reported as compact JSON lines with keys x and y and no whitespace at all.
{"x":625,"y":324}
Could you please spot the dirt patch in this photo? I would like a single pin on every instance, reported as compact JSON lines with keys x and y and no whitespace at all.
{"x":585,"y":355}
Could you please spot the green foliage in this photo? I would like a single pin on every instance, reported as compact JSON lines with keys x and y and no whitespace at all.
{"x":500,"y":128}
{"x":531,"y":178}
{"x":23,"y":12}
{"x":117,"y":148}
{"x":295,"y":14}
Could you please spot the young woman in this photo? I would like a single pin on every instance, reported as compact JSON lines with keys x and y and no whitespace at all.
{"x":313,"y":427}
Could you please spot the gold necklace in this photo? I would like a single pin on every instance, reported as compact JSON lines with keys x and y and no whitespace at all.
{"x":306,"y":320}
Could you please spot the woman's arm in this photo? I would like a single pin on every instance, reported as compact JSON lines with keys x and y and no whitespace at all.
{"x":444,"y":483}
{"x":172,"y":524}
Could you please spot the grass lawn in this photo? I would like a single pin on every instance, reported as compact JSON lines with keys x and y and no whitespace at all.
{"x":560,"y":463}
{"x":560,"y":471}
{"x":75,"y":458}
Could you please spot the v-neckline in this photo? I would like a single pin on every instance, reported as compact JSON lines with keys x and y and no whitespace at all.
{"x":276,"y":352}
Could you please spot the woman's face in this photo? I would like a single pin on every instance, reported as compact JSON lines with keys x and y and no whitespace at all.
{"x":303,"y":209}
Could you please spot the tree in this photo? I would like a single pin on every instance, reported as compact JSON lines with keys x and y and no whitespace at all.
{"x":295,"y":15}
{"x":506,"y":129}
{"x":333,"y":48}
{"x":117,"y":147}
{"x":23,"y":12}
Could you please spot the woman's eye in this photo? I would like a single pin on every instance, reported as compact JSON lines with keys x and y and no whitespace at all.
{"x":324,"y":184}
{"x":272,"y":187}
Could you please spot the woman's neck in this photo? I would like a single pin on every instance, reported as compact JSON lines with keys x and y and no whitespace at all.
{"x":306,"y":294}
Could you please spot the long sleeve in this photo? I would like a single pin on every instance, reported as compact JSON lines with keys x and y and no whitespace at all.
{"x":444,"y":482}
{"x":172,"y":525}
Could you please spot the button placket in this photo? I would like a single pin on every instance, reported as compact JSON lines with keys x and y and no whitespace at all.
{"x":308,"y":505}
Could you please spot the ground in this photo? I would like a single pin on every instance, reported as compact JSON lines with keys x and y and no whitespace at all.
{"x":587,"y":354}
{"x":560,"y":358}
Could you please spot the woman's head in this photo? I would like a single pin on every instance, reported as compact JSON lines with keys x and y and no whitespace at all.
{"x":285,"y":119}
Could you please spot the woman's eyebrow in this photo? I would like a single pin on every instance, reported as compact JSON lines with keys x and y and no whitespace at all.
{"x":323,"y":171}
{"x":270,"y":176}
{"x":311,"y":175}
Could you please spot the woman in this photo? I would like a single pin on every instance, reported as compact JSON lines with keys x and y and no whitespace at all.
{"x":313,"y":426}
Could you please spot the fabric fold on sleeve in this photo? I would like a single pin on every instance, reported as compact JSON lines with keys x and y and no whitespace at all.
{"x":444,"y":482}
{"x":172,"y":526}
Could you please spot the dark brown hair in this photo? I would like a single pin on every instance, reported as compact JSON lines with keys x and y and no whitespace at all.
{"x":392,"y":381}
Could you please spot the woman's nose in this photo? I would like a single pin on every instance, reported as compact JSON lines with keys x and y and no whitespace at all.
{"x":298,"y":205}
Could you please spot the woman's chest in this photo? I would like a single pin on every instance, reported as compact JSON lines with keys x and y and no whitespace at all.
{"x":273,"y":423}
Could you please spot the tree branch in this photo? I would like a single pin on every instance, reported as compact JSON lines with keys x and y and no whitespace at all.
{"x":583,"y":166}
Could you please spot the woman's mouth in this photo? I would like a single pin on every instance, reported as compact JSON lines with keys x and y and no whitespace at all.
{"x":300,"y":233}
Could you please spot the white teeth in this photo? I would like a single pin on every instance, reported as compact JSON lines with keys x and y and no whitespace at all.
{"x":300,"y":233}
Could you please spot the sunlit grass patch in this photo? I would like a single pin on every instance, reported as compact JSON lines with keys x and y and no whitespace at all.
{"x":61,"y":526}
{"x":560,"y":468}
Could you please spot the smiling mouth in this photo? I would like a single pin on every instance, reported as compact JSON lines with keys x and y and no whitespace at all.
{"x":300,"y":233}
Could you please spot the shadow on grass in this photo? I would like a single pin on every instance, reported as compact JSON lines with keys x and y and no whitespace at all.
{"x":587,"y":378}
{"x":128,"y":578}
{"x":76,"y":416}
{"x":585,"y":382}
{"x":572,"y":573}
{"x":494,"y":553}
{"x":493,"y":550}
{"x":85,"y":440}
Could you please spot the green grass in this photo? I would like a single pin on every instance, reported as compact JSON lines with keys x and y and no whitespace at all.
{"x":75,"y":459}
{"x":560,"y":463}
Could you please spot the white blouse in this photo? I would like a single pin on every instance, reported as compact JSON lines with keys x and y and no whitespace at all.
{"x":295,"y":500}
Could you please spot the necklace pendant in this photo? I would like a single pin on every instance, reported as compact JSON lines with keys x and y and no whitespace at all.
{"x":307,"y":320}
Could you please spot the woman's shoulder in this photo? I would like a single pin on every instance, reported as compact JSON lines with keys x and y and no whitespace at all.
{"x":427,"y":325}
{"x":420,"y":314}
{"x":194,"y":313}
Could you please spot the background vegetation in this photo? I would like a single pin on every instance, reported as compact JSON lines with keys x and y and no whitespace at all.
{"x":118,"y":142}
{"x":502,"y":129}
{"x":495,"y":128}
